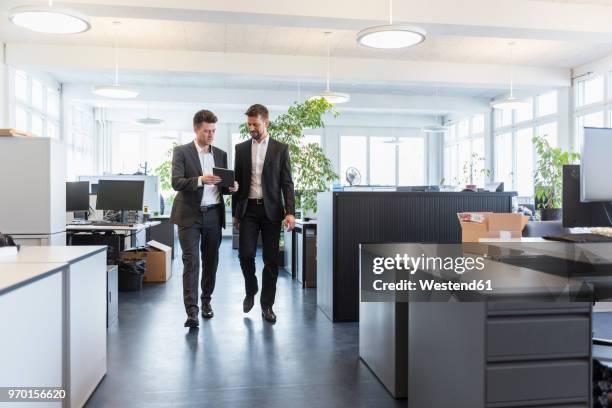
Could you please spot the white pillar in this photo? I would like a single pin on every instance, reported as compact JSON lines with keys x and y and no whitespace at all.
{"x":4,"y":89}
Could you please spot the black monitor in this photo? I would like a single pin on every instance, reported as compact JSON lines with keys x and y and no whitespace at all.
{"x":77,"y":196}
{"x":120,"y":195}
{"x":577,"y":213}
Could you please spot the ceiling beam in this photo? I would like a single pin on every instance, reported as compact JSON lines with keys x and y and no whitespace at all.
{"x":545,"y":19}
{"x":350,"y":70}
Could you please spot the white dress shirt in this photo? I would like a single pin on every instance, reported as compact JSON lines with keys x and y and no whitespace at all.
{"x":258,"y":155}
{"x":211,"y":194}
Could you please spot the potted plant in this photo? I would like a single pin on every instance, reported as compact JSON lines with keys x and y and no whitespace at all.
{"x":548,"y":177}
{"x":472,"y":167}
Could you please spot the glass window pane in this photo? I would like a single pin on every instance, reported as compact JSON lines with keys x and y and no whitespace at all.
{"x":21,"y":119}
{"x":593,"y":120}
{"x":549,"y":130}
{"x":463,"y":128}
{"x":52,"y":102}
{"x":52,"y":130}
{"x":382,"y":161}
{"x":503,"y":159}
{"x":412,"y":161}
{"x":477,"y":124}
{"x":235,"y":140}
{"x":503,"y":117}
{"x":478,"y":150}
{"x":21,"y":86}
{"x":37,"y":95}
{"x":353,"y":150}
{"x":464,"y":150}
{"x":126,"y":152}
{"x":37,"y":125}
{"x":547,"y":103}
{"x":593,"y":90}
{"x":307,"y":139}
{"x":524,"y":162}
{"x":525,"y":112}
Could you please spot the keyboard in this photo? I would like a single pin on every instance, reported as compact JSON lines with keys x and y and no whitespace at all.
{"x":579,"y":238}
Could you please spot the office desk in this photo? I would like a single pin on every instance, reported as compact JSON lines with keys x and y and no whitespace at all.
{"x":495,"y":354}
{"x":346,"y":219}
{"x":110,"y":235}
{"x":74,"y":299}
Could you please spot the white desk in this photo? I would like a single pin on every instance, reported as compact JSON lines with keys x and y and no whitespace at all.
{"x":115,"y":228}
{"x":522,"y":239}
{"x":80,"y":290}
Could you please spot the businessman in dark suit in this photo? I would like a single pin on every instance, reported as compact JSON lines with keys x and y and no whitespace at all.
{"x":199,"y":212}
{"x":264,"y":202}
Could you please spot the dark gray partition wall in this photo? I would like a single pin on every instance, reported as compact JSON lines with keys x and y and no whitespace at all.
{"x":346,"y":219}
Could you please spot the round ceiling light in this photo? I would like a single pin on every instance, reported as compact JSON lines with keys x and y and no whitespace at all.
{"x":49,"y":20}
{"x":115,"y":91}
{"x":149,"y":121}
{"x":332,"y":97}
{"x":391,"y":36}
{"x":434,"y":129}
{"x":508,"y":103}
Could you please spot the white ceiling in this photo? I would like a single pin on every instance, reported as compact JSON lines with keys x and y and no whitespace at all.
{"x":264,"y":39}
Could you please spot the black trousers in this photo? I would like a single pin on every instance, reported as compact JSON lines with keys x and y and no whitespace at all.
{"x":203,"y":239}
{"x":254,"y":221}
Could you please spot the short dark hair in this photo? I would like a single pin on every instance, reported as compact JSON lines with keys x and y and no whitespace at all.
{"x":204,"y":116}
{"x":257,"y":110}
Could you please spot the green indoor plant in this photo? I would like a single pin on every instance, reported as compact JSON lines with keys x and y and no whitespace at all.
{"x":548,"y":177}
{"x":472,"y":167}
{"x":164,"y":172}
{"x":312,"y":170}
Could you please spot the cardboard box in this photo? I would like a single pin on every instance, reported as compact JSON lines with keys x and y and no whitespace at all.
{"x":158,"y":258}
{"x":490,"y":225}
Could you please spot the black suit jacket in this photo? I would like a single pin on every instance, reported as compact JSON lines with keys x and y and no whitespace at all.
{"x":186,"y":169}
{"x":276,"y":181}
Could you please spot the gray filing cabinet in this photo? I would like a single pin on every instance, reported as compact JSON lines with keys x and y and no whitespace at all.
{"x":306,"y":253}
{"x":112,"y":294}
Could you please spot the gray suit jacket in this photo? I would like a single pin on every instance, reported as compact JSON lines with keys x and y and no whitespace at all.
{"x":186,"y":169}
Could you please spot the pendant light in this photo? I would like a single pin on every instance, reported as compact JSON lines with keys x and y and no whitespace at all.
{"x":49,"y":20}
{"x":115,"y":90}
{"x":390,"y":36}
{"x":329,"y":95}
{"x":149,"y":121}
{"x":510,"y":102}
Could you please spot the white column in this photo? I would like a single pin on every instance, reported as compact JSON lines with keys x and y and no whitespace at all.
{"x":565,"y":125}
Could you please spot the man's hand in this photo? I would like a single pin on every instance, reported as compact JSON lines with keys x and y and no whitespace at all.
{"x":236,"y":223}
{"x":210,"y":179}
{"x":289,"y":222}
{"x":234,"y":188}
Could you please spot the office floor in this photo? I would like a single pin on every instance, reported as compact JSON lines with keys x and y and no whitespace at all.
{"x":233,"y":359}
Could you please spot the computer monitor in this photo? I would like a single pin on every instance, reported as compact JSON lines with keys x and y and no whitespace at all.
{"x":596,"y":165}
{"x":151,"y":187}
{"x":120,"y":195}
{"x":577,"y":213}
{"x":77,"y":196}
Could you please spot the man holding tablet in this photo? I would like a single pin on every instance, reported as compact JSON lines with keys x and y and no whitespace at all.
{"x":199,"y":211}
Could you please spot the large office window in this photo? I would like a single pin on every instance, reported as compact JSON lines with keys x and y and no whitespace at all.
{"x":515,"y":157}
{"x":80,"y":142}
{"x":36,"y":105}
{"x":384,"y":160}
{"x":464,"y":151}
{"x":590,"y":91}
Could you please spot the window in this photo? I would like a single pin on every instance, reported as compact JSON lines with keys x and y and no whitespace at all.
{"x":503,"y":158}
{"x":382,"y":161}
{"x":547,"y":103}
{"x":525,"y":112}
{"x":307,"y":139}
{"x":524,"y":162}
{"x":353,"y":153}
{"x":590,"y":91}
{"x":503,"y":117}
{"x":458,"y":154}
{"x":549,"y":131}
{"x":412,"y":161}
{"x":36,"y":105}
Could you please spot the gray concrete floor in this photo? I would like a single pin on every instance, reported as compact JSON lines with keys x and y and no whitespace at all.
{"x":233,"y":359}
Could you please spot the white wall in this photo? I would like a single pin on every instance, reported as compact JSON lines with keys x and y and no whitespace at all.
{"x":3,"y":90}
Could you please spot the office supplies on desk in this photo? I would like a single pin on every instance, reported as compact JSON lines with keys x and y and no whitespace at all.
{"x":226,"y":175}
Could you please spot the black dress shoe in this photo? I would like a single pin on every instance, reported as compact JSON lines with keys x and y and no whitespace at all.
{"x":192,"y":320}
{"x":207,"y":311}
{"x":268,"y":314}
{"x":248,"y":303}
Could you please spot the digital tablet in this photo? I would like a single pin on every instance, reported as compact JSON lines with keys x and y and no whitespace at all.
{"x":226,"y":175}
